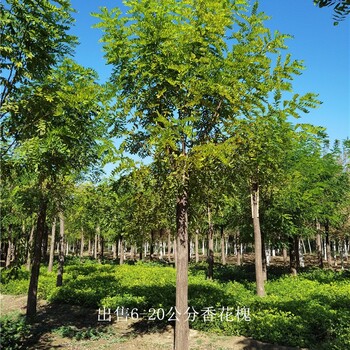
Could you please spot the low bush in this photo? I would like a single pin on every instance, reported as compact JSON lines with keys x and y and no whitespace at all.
{"x":14,"y":332}
{"x":311,"y":310}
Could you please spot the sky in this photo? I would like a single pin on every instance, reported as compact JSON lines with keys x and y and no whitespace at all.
{"x":324,"y":48}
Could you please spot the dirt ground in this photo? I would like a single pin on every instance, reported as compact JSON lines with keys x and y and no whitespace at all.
{"x":55,"y":319}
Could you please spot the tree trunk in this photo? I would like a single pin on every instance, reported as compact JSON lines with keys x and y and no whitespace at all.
{"x":328,"y":245}
{"x":59,"y":280}
{"x":89,"y":247}
{"x":222,"y":238}
{"x":115,"y":249}
{"x":9,"y":249}
{"x":151,"y":254}
{"x":52,"y":245}
{"x":292,"y":257}
{"x":121,"y":250}
{"x":260,"y":289}
{"x":238,"y":247}
{"x":35,"y":270}
{"x":210,"y":257}
{"x":285,"y":255}
{"x":175,"y":253}
{"x":264,"y":257}
{"x":182,"y":324}
{"x":196,"y":246}
{"x":95,"y":245}
{"x":82,"y":243}
{"x":45,"y":244}
{"x":30,"y":248}
{"x":319,"y":245}
{"x":169,"y":244}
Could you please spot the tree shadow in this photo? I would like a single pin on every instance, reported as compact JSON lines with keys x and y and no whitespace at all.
{"x":69,"y":321}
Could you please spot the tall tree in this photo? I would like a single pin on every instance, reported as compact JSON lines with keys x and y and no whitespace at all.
{"x":58,"y":123}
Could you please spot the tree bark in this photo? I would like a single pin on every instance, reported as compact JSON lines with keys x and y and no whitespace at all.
{"x":182,"y":324}
{"x":95,"y":245}
{"x":169,"y":244}
{"x":328,"y":245}
{"x":260,"y":288}
{"x":222,"y":238}
{"x":59,"y":280}
{"x":82,"y":243}
{"x":30,"y":248}
{"x":210,"y":257}
{"x":285,"y":255}
{"x":9,"y":249}
{"x":35,"y":270}
{"x":196,"y":246}
{"x":151,"y":253}
{"x":238,"y":247}
{"x":52,"y":245}
{"x":292,"y":257}
{"x":121,"y":250}
{"x":319,"y":245}
{"x":264,"y":257}
{"x":45,"y":244}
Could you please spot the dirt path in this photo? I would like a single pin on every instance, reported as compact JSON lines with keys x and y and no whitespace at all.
{"x":60,"y":327}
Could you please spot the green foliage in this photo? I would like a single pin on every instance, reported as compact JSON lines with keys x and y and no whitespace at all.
{"x":14,"y":332}
{"x":73,"y":332}
{"x":307,"y":311}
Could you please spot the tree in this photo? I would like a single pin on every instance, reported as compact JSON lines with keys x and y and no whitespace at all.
{"x":341,"y":8}
{"x":34,"y":38}
{"x":166,"y":95}
{"x":174,"y":104}
{"x":58,"y":123}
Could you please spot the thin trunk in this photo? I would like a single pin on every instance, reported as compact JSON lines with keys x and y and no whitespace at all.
{"x":264,"y":257}
{"x":222,"y":238}
{"x":121,"y":251}
{"x":35,"y":270}
{"x":335,"y":253}
{"x":152,"y":245}
{"x":169,"y":244}
{"x":141,"y":250}
{"x":89,"y":247}
{"x":175,"y":253}
{"x":309,"y":245}
{"x":9,"y":249}
{"x":328,"y":245}
{"x":182,"y":324}
{"x":98,"y":244}
{"x":302,"y":251}
{"x":303,"y":246}
{"x":260,"y":288}
{"x":59,"y":280}
{"x":95,"y":245}
{"x":319,"y":250}
{"x":196,"y":246}
{"x":292,"y":257}
{"x":238,"y":247}
{"x":285,"y":255}
{"x":52,"y":245}
{"x":210,"y":257}
{"x":45,"y":244}
{"x":30,"y":248}
{"x":82,"y":243}
{"x":115,"y":249}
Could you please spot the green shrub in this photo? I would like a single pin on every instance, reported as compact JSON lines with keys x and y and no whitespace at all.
{"x":14,"y":332}
{"x":73,"y":332}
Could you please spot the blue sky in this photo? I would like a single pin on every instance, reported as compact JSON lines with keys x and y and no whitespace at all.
{"x":324,"y":48}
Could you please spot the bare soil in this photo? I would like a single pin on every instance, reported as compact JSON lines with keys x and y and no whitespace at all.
{"x":54,"y":319}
